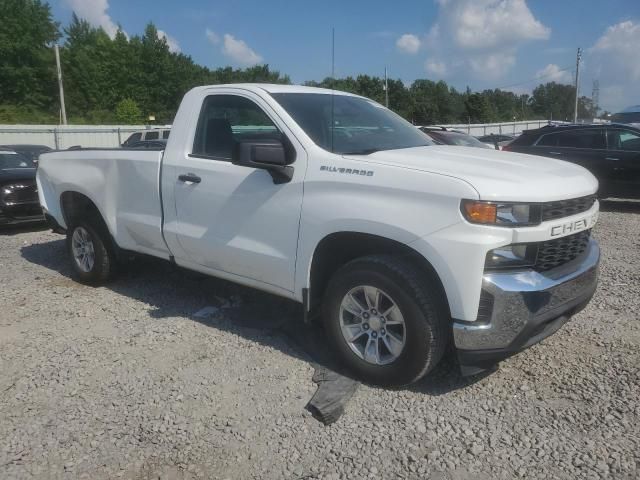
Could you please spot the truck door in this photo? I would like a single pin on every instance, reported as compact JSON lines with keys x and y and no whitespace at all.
{"x":234,"y":219}
{"x":623,"y":160}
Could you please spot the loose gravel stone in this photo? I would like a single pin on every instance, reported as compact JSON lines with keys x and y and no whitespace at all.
{"x":128,"y":381}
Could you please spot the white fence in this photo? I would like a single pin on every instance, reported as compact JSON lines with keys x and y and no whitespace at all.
{"x":62,"y":137}
{"x":65,"y":136}
{"x":511,"y":128}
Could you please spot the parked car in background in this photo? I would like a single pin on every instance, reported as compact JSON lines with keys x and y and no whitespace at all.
{"x":496,"y":140}
{"x":630,"y":116}
{"x":149,"y":145}
{"x":151,"y":134}
{"x":30,"y":151}
{"x":610,"y":151}
{"x":448,"y":136}
{"x":18,"y":192}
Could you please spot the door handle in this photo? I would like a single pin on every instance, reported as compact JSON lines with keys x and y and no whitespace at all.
{"x":189,"y":177}
{"x":612,"y":159}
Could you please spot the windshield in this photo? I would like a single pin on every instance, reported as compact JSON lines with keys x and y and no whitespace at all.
{"x":14,"y":160}
{"x":360,"y":126}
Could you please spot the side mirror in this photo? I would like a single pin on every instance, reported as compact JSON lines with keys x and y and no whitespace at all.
{"x":267,"y":155}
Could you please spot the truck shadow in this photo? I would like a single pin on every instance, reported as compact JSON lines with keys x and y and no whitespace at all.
{"x":252,"y":314}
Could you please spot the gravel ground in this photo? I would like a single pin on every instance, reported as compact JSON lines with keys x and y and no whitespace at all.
{"x":125,"y":382}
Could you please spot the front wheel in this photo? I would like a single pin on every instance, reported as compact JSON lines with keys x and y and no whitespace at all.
{"x":92,"y":257}
{"x":386,"y":319}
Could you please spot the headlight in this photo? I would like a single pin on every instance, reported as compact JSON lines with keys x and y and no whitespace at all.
{"x":501,"y":214}
{"x":512,"y":256}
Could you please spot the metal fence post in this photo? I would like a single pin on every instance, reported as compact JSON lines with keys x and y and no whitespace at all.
{"x":55,"y":138}
{"x":119,"y":137}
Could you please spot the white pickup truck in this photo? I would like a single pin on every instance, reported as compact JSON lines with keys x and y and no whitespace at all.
{"x":402,"y":247}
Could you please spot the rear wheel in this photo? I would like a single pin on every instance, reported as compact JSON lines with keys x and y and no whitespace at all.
{"x":387,"y":320}
{"x":92,"y":256}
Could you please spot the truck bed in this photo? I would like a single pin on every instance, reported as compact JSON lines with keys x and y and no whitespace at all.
{"x":122,"y":184}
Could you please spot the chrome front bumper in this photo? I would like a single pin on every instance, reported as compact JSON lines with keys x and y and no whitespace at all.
{"x":522,"y":308}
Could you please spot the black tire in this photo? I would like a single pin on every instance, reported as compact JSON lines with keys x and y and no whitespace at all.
{"x":104,"y":265}
{"x":426,"y":319}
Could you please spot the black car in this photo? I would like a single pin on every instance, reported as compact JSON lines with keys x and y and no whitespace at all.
{"x":18,"y":191}
{"x":610,"y":151}
{"x":445,"y":136}
{"x":148,"y":145}
{"x":31,"y":151}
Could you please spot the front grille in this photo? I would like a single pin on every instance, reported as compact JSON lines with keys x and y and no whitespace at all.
{"x":566,"y":208}
{"x":556,"y":252}
{"x":19,"y":193}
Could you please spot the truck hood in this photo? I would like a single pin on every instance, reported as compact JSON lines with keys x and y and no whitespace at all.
{"x":496,"y":175}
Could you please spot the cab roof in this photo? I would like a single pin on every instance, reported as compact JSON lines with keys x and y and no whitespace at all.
{"x":278,"y":88}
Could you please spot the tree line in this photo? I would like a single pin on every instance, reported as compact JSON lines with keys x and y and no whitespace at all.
{"x":125,"y":80}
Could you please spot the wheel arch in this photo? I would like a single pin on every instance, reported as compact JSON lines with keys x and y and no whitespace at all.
{"x":75,"y":205}
{"x":338,"y":248}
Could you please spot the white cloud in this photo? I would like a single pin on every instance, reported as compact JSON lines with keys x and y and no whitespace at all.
{"x":438,"y":69}
{"x":614,"y":60}
{"x":408,"y":43}
{"x":213,"y":37}
{"x":481,"y":36}
{"x":173,"y":44}
{"x":553,"y":73}
{"x":618,"y":47}
{"x":234,"y":48}
{"x":493,"y":65}
{"x":238,"y":51}
{"x":480,"y":24}
{"x":95,"y":12}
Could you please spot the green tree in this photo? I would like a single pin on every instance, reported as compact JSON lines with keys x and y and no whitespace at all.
{"x":586,"y":109}
{"x":553,"y":101}
{"x":477,"y":107}
{"x":128,"y":112}
{"x":425,"y":107}
{"x":27,"y":65}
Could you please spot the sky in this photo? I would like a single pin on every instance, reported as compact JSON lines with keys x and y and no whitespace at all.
{"x":508,"y":44}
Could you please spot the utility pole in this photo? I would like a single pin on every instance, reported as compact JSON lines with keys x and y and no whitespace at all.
{"x":62,"y":107}
{"x":386,"y":89}
{"x":595,"y":97}
{"x":575,"y":110}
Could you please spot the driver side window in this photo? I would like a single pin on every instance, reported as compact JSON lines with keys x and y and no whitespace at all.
{"x":227,"y":119}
